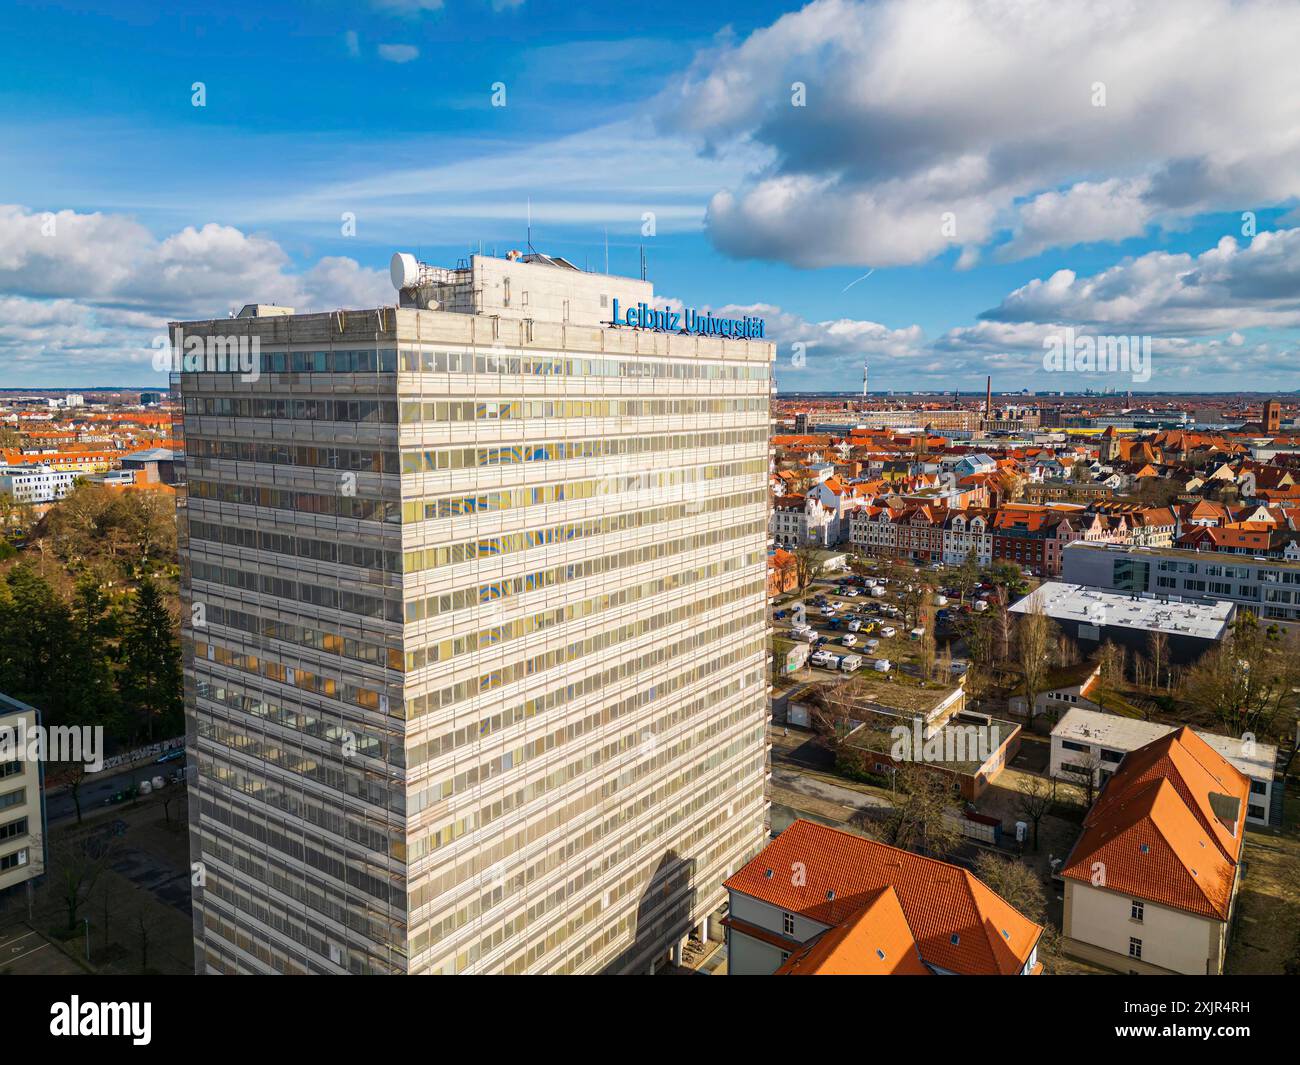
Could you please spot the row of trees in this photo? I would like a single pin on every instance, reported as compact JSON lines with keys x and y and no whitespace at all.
{"x":88,"y":631}
{"x":86,"y":659}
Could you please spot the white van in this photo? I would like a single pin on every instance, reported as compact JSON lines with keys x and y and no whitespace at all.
{"x":881,"y":665}
{"x":849,"y":640}
{"x":888,"y":631}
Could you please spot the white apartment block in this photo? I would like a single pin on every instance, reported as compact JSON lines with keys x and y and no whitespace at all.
{"x":480,"y":682}
{"x":809,"y":523}
{"x":22,"y":820}
{"x":35,"y":484}
{"x":962,"y":535}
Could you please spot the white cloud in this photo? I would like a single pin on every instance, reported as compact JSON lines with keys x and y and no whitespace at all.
{"x":985,"y":110}
{"x":406,"y":8}
{"x":1231,"y":286}
{"x":398,"y":53}
{"x":580,"y":179}
{"x":85,"y":298}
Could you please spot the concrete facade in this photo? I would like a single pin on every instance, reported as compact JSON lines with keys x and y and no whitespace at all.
{"x":475,"y":657}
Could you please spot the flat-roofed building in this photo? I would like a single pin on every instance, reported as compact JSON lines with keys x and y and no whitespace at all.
{"x":1093,"y":616}
{"x":1090,"y":741}
{"x":35,"y":483}
{"x":1270,"y":587}
{"x":475,"y":642}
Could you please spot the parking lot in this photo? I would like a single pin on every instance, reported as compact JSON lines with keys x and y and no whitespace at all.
{"x":862,"y":617}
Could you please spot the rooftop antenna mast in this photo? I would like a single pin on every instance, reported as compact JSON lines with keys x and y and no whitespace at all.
{"x":530,"y":226}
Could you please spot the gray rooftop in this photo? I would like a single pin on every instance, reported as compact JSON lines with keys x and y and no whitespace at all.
{"x":1096,"y":606}
{"x":1255,"y":760}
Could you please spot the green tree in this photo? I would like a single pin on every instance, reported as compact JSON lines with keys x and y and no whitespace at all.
{"x":92,"y":667}
{"x":35,"y":640}
{"x":151,"y":662}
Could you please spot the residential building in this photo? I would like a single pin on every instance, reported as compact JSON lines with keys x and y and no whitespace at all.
{"x":22,"y":798}
{"x":819,"y":901}
{"x":475,"y":641}
{"x":1151,"y":884}
{"x":966,"y":532}
{"x":35,"y":483}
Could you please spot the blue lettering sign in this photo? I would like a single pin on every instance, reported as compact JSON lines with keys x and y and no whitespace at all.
{"x":643,"y":316}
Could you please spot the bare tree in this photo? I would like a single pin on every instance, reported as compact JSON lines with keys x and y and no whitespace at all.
{"x":75,"y":866}
{"x":1113,"y":662}
{"x":1021,"y":887}
{"x":1085,"y":767}
{"x":1034,"y":639}
{"x":923,"y":819}
{"x":1157,"y":655}
{"x":1035,"y":801}
{"x":807,"y":566}
{"x":1249,"y":682}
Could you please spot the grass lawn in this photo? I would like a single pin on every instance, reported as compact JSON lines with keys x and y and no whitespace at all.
{"x":1268,"y":906}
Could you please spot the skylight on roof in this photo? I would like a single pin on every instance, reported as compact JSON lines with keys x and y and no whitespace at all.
{"x":880,"y":954}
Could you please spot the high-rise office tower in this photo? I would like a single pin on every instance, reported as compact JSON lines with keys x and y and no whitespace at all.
{"x":475,"y":624}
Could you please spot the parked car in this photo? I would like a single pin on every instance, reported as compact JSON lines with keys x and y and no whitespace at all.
{"x":849,"y":640}
{"x":888,"y":631}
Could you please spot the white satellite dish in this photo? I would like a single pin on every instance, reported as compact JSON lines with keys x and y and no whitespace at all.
{"x":404,"y":270}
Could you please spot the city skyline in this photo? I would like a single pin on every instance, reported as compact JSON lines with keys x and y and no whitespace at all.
{"x":855,"y":173}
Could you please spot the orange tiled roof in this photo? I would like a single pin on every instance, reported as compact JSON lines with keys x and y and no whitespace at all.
{"x":1156,"y":832}
{"x":958,"y":922}
{"x":875,"y":941}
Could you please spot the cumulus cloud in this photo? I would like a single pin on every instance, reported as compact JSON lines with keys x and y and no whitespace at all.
{"x":972,"y":122}
{"x":88,"y":292}
{"x":1231,"y":286}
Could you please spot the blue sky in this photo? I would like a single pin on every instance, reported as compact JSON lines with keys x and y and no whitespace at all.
{"x":948,"y":193}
